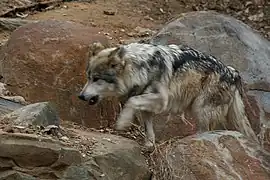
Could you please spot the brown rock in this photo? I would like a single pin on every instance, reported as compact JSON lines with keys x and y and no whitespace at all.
{"x":46,"y":61}
{"x":212,"y":155}
{"x":109,"y":12}
{"x":32,"y":151}
{"x":6,"y":163}
{"x":169,"y":126}
{"x":116,"y":157}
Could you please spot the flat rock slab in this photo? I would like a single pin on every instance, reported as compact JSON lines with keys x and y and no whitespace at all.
{"x":83,"y":155}
{"x":31,"y":155}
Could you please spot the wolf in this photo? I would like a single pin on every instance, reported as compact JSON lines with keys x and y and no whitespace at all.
{"x":152,"y":79}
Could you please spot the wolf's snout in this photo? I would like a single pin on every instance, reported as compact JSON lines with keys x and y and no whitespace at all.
{"x":82,"y":97}
{"x":93,"y":100}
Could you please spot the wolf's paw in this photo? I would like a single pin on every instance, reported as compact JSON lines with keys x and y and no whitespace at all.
{"x":148,"y":146}
{"x":124,"y":120}
{"x":121,"y":126}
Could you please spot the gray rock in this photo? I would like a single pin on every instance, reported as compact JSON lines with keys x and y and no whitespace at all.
{"x":73,"y":172}
{"x":37,"y":114}
{"x":143,"y":32}
{"x":14,"y":175}
{"x":33,"y":151}
{"x":234,"y":43}
{"x":7,"y":106}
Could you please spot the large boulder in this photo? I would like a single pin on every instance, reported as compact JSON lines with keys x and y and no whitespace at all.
{"x":77,"y":155}
{"x":234,"y":43}
{"x":46,"y":61}
{"x":212,"y":155}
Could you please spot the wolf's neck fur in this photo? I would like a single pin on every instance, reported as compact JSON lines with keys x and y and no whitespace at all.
{"x":148,"y":64}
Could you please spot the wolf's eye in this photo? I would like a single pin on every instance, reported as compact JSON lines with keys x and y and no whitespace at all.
{"x":95,"y":79}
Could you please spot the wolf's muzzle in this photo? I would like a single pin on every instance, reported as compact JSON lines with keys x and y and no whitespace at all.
{"x":92,"y":100}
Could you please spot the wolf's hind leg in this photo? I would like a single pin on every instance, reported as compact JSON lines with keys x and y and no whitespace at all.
{"x":209,"y":117}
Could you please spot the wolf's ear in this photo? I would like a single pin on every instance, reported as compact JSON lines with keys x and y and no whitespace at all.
{"x":119,"y":51}
{"x":117,"y":55}
{"x":95,"y":48}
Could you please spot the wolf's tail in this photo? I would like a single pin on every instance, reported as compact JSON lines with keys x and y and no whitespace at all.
{"x":237,"y":114}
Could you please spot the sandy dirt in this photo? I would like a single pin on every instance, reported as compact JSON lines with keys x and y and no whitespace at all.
{"x":117,"y":19}
{"x":122,"y":20}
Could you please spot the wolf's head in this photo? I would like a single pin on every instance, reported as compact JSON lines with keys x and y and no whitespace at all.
{"x":104,"y":72}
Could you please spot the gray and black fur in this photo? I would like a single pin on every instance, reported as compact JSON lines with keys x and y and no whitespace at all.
{"x":154,"y":78}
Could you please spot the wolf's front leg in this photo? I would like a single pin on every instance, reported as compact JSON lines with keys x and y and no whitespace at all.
{"x":125,"y":118}
{"x":151,"y":102}
{"x":147,"y":118}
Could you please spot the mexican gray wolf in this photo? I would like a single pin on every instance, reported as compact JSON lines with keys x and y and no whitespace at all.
{"x":154,"y":79}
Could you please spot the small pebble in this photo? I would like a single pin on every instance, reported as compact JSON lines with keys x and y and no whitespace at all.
{"x":109,"y":12}
{"x":64,"y":138}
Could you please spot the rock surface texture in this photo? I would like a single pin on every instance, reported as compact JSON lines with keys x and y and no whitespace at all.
{"x":46,"y":61}
{"x":37,"y":114}
{"x":92,"y":156}
{"x":212,"y":155}
{"x":234,"y":43}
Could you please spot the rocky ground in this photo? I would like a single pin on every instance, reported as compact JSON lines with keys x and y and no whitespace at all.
{"x":122,"y":20}
{"x":44,"y":61}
